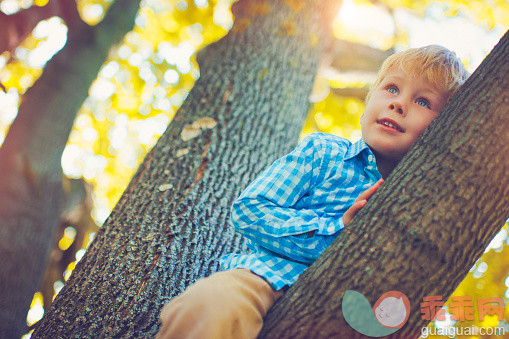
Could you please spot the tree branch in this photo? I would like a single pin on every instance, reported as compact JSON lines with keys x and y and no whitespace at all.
{"x":17,"y":27}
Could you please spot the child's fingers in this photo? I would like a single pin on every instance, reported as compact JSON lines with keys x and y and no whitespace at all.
{"x":370,"y":191}
{"x":360,"y":202}
{"x":352,"y":211}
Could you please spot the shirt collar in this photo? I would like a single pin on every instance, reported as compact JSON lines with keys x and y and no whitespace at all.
{"x":356,"y":148}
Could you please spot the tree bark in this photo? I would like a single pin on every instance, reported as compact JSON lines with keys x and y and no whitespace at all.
{"x":426,"y":226}
{"x":31,"y":175}
{"x":171,"y":224}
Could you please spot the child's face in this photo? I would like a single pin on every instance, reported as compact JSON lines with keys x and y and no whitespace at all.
{"x":398,"y":111}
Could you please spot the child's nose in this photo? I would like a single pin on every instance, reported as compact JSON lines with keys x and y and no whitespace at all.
{"x":398,"y":107}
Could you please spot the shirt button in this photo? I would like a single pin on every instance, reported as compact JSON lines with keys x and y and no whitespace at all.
{"x":370,"y":158}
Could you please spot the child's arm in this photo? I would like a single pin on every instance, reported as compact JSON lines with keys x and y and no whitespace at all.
{"x":266,"y":212}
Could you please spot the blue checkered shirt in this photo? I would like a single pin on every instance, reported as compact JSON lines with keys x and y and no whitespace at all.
{"x":293,"y":211}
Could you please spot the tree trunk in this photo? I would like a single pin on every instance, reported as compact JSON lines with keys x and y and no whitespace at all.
{"x":171,"y":224}
{"x":31,"y":176}
{"x":426,"y":226}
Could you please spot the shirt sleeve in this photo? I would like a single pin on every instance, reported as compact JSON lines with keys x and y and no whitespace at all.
{"x":266,"y":214}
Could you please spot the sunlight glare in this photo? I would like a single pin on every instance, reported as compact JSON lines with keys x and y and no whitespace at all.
{"x":181,"y":5}
{"x":222,"y":14}
{"x":109,"y":70}
{"x":145,"y":73}
{"x":36,"y":309}
{"x":179,"y":56}
{"x":498,"y":241}
{"x":81,"y":252}
{"x":70,"y":161}
{"x":148,"y":130}
{"x":447,"y":323}
{"x":362,"y":18}
{"x":9,"y":6}
{"x":201,"y":3}
{"x":101,"y":89}
{"x":93,"y":13}
{"x":470,"y":41}
{"x":55,"y":32}
{"x":171,"y":76}
{"x":8,"y":106}
{"x":3,"y":61}
{"x":57,"y":286}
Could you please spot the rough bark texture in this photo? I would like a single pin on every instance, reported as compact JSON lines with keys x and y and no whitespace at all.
{"x":30,"y":160}
{"x":426,"y":226}
{"x":171,"y":224}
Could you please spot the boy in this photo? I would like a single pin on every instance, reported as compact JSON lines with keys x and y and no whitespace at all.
{"x":298,"y":206}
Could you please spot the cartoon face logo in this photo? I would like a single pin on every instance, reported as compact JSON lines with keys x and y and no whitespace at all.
{"x":392,"y":309}
{"x":389,"y":314}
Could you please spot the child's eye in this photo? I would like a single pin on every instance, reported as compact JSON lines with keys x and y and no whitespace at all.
{"x":423,"y":102}
{"x":392,"y":89}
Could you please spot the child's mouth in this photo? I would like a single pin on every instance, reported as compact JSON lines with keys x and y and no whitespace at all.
{"x":391,"y":124}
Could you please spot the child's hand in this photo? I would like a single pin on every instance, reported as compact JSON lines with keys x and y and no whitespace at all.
{"x":361,"y":200}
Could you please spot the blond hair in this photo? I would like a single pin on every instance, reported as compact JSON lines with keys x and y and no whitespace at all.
{"x":438,"y":65}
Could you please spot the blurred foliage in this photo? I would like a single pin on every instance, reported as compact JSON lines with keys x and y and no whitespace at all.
{"x":149,"y":75}
{"x":486,"y":13}
{"x":336,"y":115}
